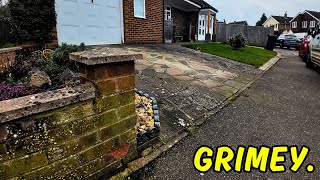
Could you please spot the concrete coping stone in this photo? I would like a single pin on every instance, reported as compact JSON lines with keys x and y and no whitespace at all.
{"x":13,"y":109}
{"x":5,"y":50}
{"x":104,"y":55}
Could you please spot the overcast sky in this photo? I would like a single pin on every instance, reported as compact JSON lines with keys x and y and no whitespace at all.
{"x":4,"y":1}
{"x":251,"y":10}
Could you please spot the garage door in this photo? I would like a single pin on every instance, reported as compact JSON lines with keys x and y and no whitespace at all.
{"x":92,"y":22}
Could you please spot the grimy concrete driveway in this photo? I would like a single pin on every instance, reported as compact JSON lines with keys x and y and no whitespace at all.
{"x":188,"y":84}
{"x":282,"y":108}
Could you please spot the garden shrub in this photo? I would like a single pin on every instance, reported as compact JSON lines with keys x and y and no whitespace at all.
{"x":14,"y":80}
{"x":9,"y":91}
{"x":61,"y":55}
{"x":32,"y":20}
{"x":237,"y":41}
{"x":7,"y":45}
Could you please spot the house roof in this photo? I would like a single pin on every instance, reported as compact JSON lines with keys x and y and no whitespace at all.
{"x":314,"y":14}
{"x":204,"y":5}
{"x":239,"y":22}
{"x":282,"y":19}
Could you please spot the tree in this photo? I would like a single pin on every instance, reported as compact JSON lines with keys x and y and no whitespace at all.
{"x":262,"y":20}
{"x":4,"y":12}
{"x":32,"y":20}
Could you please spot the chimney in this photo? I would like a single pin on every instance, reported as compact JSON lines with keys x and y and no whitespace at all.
{"x":285,"y":15}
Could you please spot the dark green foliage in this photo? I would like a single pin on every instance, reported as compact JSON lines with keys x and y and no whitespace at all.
{"x":18,"y":71}
{"x":61,"y":55}
{"x":237,"y":41}
{"x":4,"y":13}
{"x":14,"y":80}
{"x":32,"y":20}
{"x":262,"y":20}
{"x":7,"y":45}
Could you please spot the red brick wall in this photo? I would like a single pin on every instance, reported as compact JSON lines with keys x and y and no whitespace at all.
{"x":148,"y":30}
{"x":180,"y":21}
{"x":7,"y":57}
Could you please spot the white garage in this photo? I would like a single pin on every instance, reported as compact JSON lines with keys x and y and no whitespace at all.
{"x":93,"y":22}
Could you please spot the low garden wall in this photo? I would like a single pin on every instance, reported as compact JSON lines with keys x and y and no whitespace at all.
{"x":7,"y":57}
{"x":82,"y":132}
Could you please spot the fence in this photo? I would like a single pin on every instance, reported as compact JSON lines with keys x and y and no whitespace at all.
{"x":256,"y":36}
{"x":4,"y":32}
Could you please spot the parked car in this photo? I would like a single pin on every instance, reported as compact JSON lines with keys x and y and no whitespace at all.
{"x":289,"y":41}
{"x":304,"y":47}
{"x":301,"y":36}
{"x":314,"y":49}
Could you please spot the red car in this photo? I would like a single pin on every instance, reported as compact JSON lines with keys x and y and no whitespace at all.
{"x":304,"y":48}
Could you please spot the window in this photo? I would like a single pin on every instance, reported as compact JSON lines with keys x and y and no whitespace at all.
{"x":276,"y":26}
{"x":312,"y":24}
{"x":167,"y":12}
{"x":294,"y":24}
{"x":304,"y":24}
{"x":139,"y":8}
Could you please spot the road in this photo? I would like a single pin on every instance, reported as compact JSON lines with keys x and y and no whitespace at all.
{"x":282,"y":108}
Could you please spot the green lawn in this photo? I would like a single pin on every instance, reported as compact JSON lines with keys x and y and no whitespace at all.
{"x":249,"y":55}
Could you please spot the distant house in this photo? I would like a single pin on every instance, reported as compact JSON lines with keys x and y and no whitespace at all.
{"x":189,"y":20}
{"x":240,"y":23}
{"x":279,"y":23}
{"x":304,"y":21}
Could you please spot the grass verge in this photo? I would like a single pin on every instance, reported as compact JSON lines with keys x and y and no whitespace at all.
{"x":248,"y":55}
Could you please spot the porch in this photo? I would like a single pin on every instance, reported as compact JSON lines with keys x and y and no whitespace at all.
{"x":189,"y":21}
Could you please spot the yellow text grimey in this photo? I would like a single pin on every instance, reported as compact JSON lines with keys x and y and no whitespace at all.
{"x":247,"y":159}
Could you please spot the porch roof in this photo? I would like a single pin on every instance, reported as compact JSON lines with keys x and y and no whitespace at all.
{"x":190,"y":5}
{"x":205,"y":5}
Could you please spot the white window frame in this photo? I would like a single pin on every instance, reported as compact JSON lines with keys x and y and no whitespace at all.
{"x":312,"y":24}
{"x":294,"y":24}
{"x":166,"y":11}
{"x":304,"y":24}
{"x":276,"y":26}
{"x":144,"y":9}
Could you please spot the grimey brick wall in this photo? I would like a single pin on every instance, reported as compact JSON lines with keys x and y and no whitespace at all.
{"x":139,"y":30}
{"x":84,"y":140}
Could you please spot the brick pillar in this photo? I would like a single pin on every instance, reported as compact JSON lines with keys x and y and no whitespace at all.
{"x":111,"y":70}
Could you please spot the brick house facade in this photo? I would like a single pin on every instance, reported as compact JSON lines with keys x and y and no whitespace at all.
{"x":109,"y":22}
{"x":304,"y":21}
{"x":143,"y":30}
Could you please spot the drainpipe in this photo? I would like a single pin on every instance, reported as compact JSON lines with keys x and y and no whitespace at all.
{"x":163,"y":26}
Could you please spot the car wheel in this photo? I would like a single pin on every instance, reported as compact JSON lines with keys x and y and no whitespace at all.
{"x":281,"y":46}
{"x":288,"y":47}
{"x":297,"y":48}
{"x":309,"y":63}
{"x":305,"y":57}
